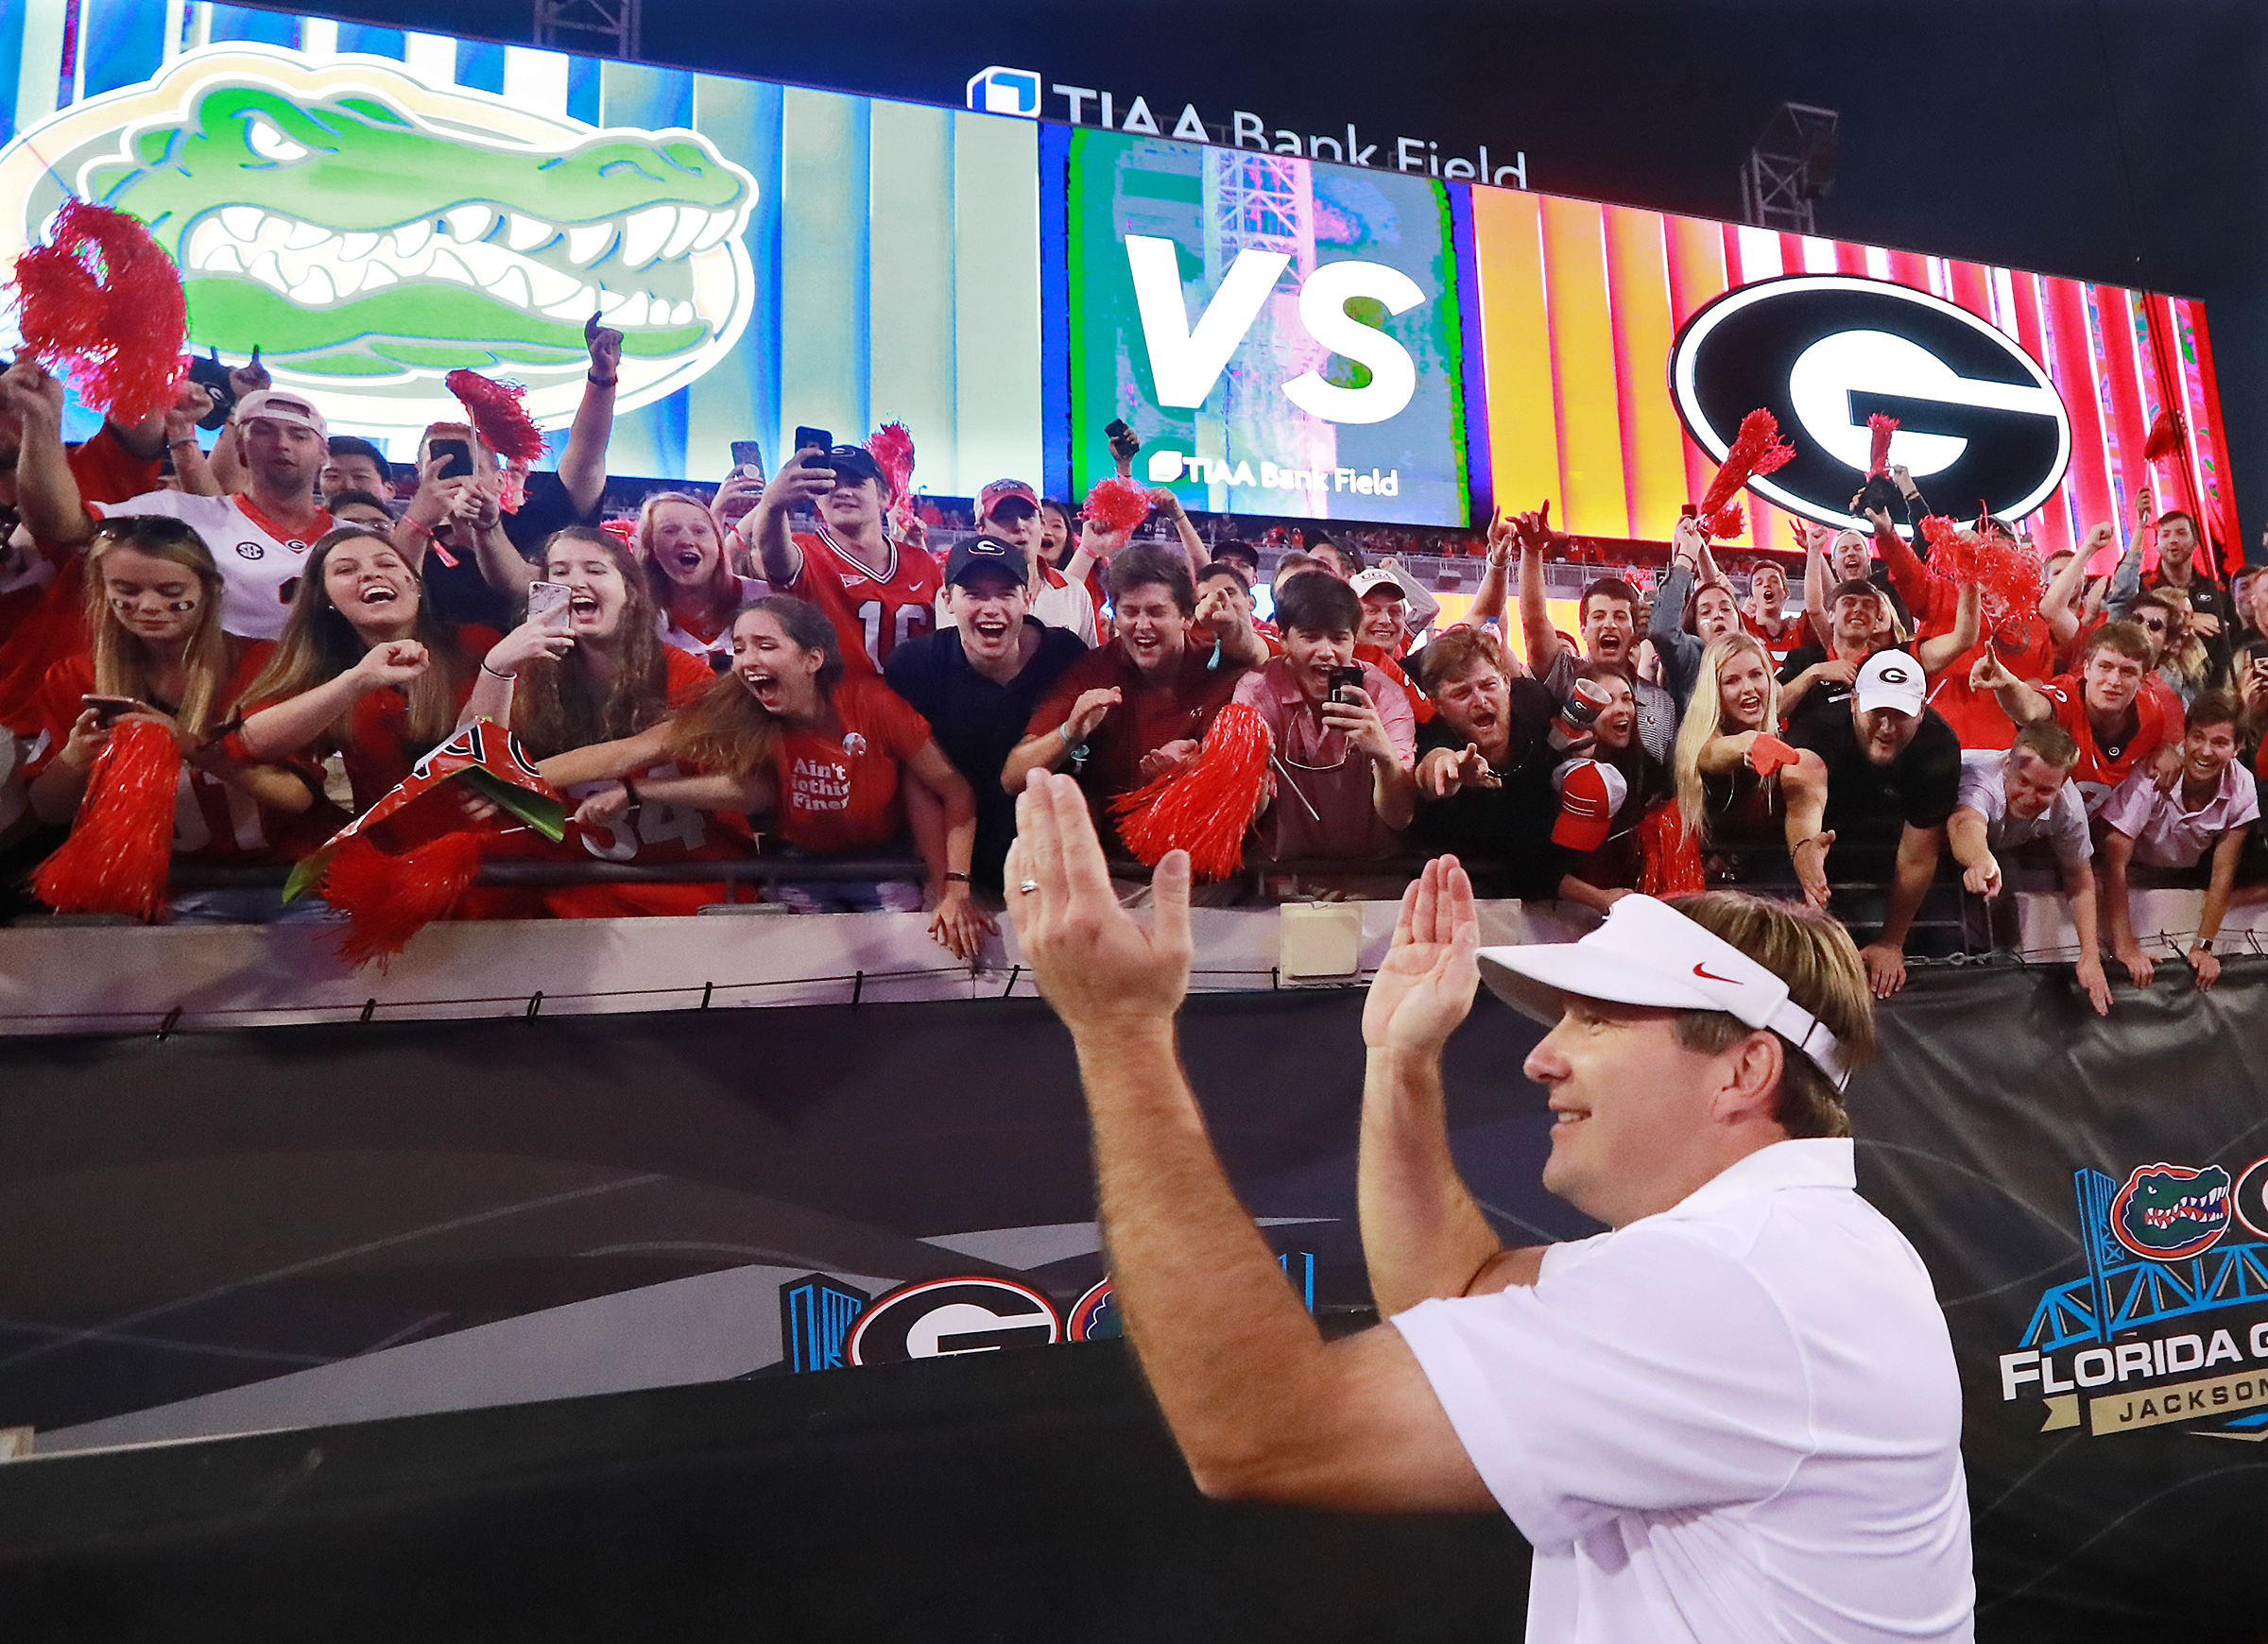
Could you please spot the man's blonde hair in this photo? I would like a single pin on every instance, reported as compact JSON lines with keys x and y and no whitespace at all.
{"x":1816,"y":958}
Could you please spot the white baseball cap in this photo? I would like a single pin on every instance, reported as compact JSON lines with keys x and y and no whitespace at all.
{"x":278,"y":405}
{"x":1648,"y":954}
{"x":1891,"y":680}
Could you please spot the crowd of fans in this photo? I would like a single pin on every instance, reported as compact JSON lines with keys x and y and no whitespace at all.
{"x":798,"y":668}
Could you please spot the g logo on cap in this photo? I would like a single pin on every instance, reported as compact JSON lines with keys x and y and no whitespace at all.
{"x":1978,"y":417}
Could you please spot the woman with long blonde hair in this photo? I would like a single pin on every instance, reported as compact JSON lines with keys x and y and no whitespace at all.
{"x":1735,"y":700}
{"x":157,"y":652}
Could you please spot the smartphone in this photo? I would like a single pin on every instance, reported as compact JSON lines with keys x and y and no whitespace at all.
{"x":547,"y":603}
{"x":108,"y":709}
{"x":748,"y":459}
{"x":807,"y":438}
{"x":1344,"y":680}
{"x":1123,"y":441}
{"x":456,"y":457}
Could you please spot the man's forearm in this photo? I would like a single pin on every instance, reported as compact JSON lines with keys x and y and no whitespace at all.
{"x":47,"y":496}
{"x":1966,"y":833}
{"x":1423,"y":1235}
{"x":1035,"y":753}
{"x":503,"y":567}
{"x":1537,"y":639}
{"x":1226,"y":1346}
{"x":2079,"y":890}
{"x":1393,"y":792}
{"x":1918,"y":850}
{"x":775,"y":548}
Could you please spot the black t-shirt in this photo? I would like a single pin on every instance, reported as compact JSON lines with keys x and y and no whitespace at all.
{"x":462,"y":594}
{"x":1504,"y":832}
{"x":979,"y":722}
{"x":1825,"y":698}
{"x":1920,"y":787}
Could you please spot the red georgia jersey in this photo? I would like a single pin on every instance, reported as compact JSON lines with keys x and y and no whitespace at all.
{"x":872,"y":615}
{"x":2102,"y":768}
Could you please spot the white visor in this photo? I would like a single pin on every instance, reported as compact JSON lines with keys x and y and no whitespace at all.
{"x":1648,"y":954}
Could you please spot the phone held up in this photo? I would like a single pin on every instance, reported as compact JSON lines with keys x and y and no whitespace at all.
{"x":815,"y":443}
{"x":1343,"y":680}
{"x":547,"y":603}
{"x":456,"y":455}
{"x":110,"y":710}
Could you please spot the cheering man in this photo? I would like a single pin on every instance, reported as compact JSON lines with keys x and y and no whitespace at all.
{"x":1733,"y":1416}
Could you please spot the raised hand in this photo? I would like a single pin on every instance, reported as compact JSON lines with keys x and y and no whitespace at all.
{"x":1106,"y":973}
{"x":1425,"y":987}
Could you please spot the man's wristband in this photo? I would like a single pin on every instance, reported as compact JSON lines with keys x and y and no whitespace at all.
{"x":2203,"y":945}
{"x":497,"y":672}
{"x":1063,"y":730}
{"x":598,"y":381}
{"x":952,"y":877}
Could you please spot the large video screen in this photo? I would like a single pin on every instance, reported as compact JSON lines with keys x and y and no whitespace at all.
{"x":374,"y":209}
{"x":1623,"y":346}
{"x":1283,"y":335}
{"x":1290,"y":338}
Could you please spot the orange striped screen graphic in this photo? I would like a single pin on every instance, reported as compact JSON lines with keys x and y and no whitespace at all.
{"x":1579,"y":302}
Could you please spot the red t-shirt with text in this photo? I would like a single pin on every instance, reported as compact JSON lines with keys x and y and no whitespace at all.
{"x":839,"y":795}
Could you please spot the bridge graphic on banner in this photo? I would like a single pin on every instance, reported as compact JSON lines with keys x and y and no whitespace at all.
{"x":2124,"y":1292}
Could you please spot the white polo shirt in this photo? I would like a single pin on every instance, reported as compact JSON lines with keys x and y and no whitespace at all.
{"x":1735,"y":1421}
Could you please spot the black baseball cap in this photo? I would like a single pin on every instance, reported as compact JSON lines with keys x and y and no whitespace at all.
{"x":856,"y":461}
{"x":987,"y":554}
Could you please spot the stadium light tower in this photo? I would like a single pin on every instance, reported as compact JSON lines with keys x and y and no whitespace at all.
{"x":595,"y":27}
{"x":1791,"y":166}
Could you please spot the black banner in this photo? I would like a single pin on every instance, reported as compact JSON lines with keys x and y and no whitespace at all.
{"x":328,"y":1214}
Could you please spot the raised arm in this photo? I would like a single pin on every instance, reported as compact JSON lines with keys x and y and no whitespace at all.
{"x":1939,"y":650}
{"x":2059,"y":605}
{"x":48,"y":496}
{"x":1258,"y":1404}
{"x":1816,"y":539}
{"x":583,"y":464}
{"x":2126,"y":582}
{"x":1488,"y":599}
{"x":1423,"y":1235}
{"x":1539,"y":641}
{"x":765,"y":528}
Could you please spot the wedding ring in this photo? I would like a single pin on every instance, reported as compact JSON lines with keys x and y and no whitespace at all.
{"x":1028,"y":886}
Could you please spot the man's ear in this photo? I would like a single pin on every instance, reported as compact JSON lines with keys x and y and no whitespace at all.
{"x":1751,"y":1084}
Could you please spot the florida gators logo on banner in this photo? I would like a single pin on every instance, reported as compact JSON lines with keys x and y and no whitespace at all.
{"x":2166,"y":1211}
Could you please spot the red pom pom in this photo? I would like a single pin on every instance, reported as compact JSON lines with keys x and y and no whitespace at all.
{"x":2009,"y":574}
{"x":1880,"y":427}
{"x":102,"y":304}
{"x":387,"y":899}
{"x":891,"y":446}
{"x":1206,"y":808}
{"x":2165,"y":435}
{"x":1117,"y":503}
{"x":1723,"y":525}
{"x":1669,"y":857}
{"x":121,"y":844}
{"x":1756,"y":450}
{"x":498,"y":415}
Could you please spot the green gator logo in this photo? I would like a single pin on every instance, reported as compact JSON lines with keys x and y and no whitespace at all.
{"x":370,"y":234}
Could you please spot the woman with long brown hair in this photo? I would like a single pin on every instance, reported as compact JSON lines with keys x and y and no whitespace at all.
{"x":591,"y":703}
{"x":364,"y":668}
{"x":158,"y":653}
{"x":833,"y":759}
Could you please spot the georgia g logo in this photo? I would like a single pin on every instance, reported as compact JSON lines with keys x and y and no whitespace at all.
{"x":1978,"y":417}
